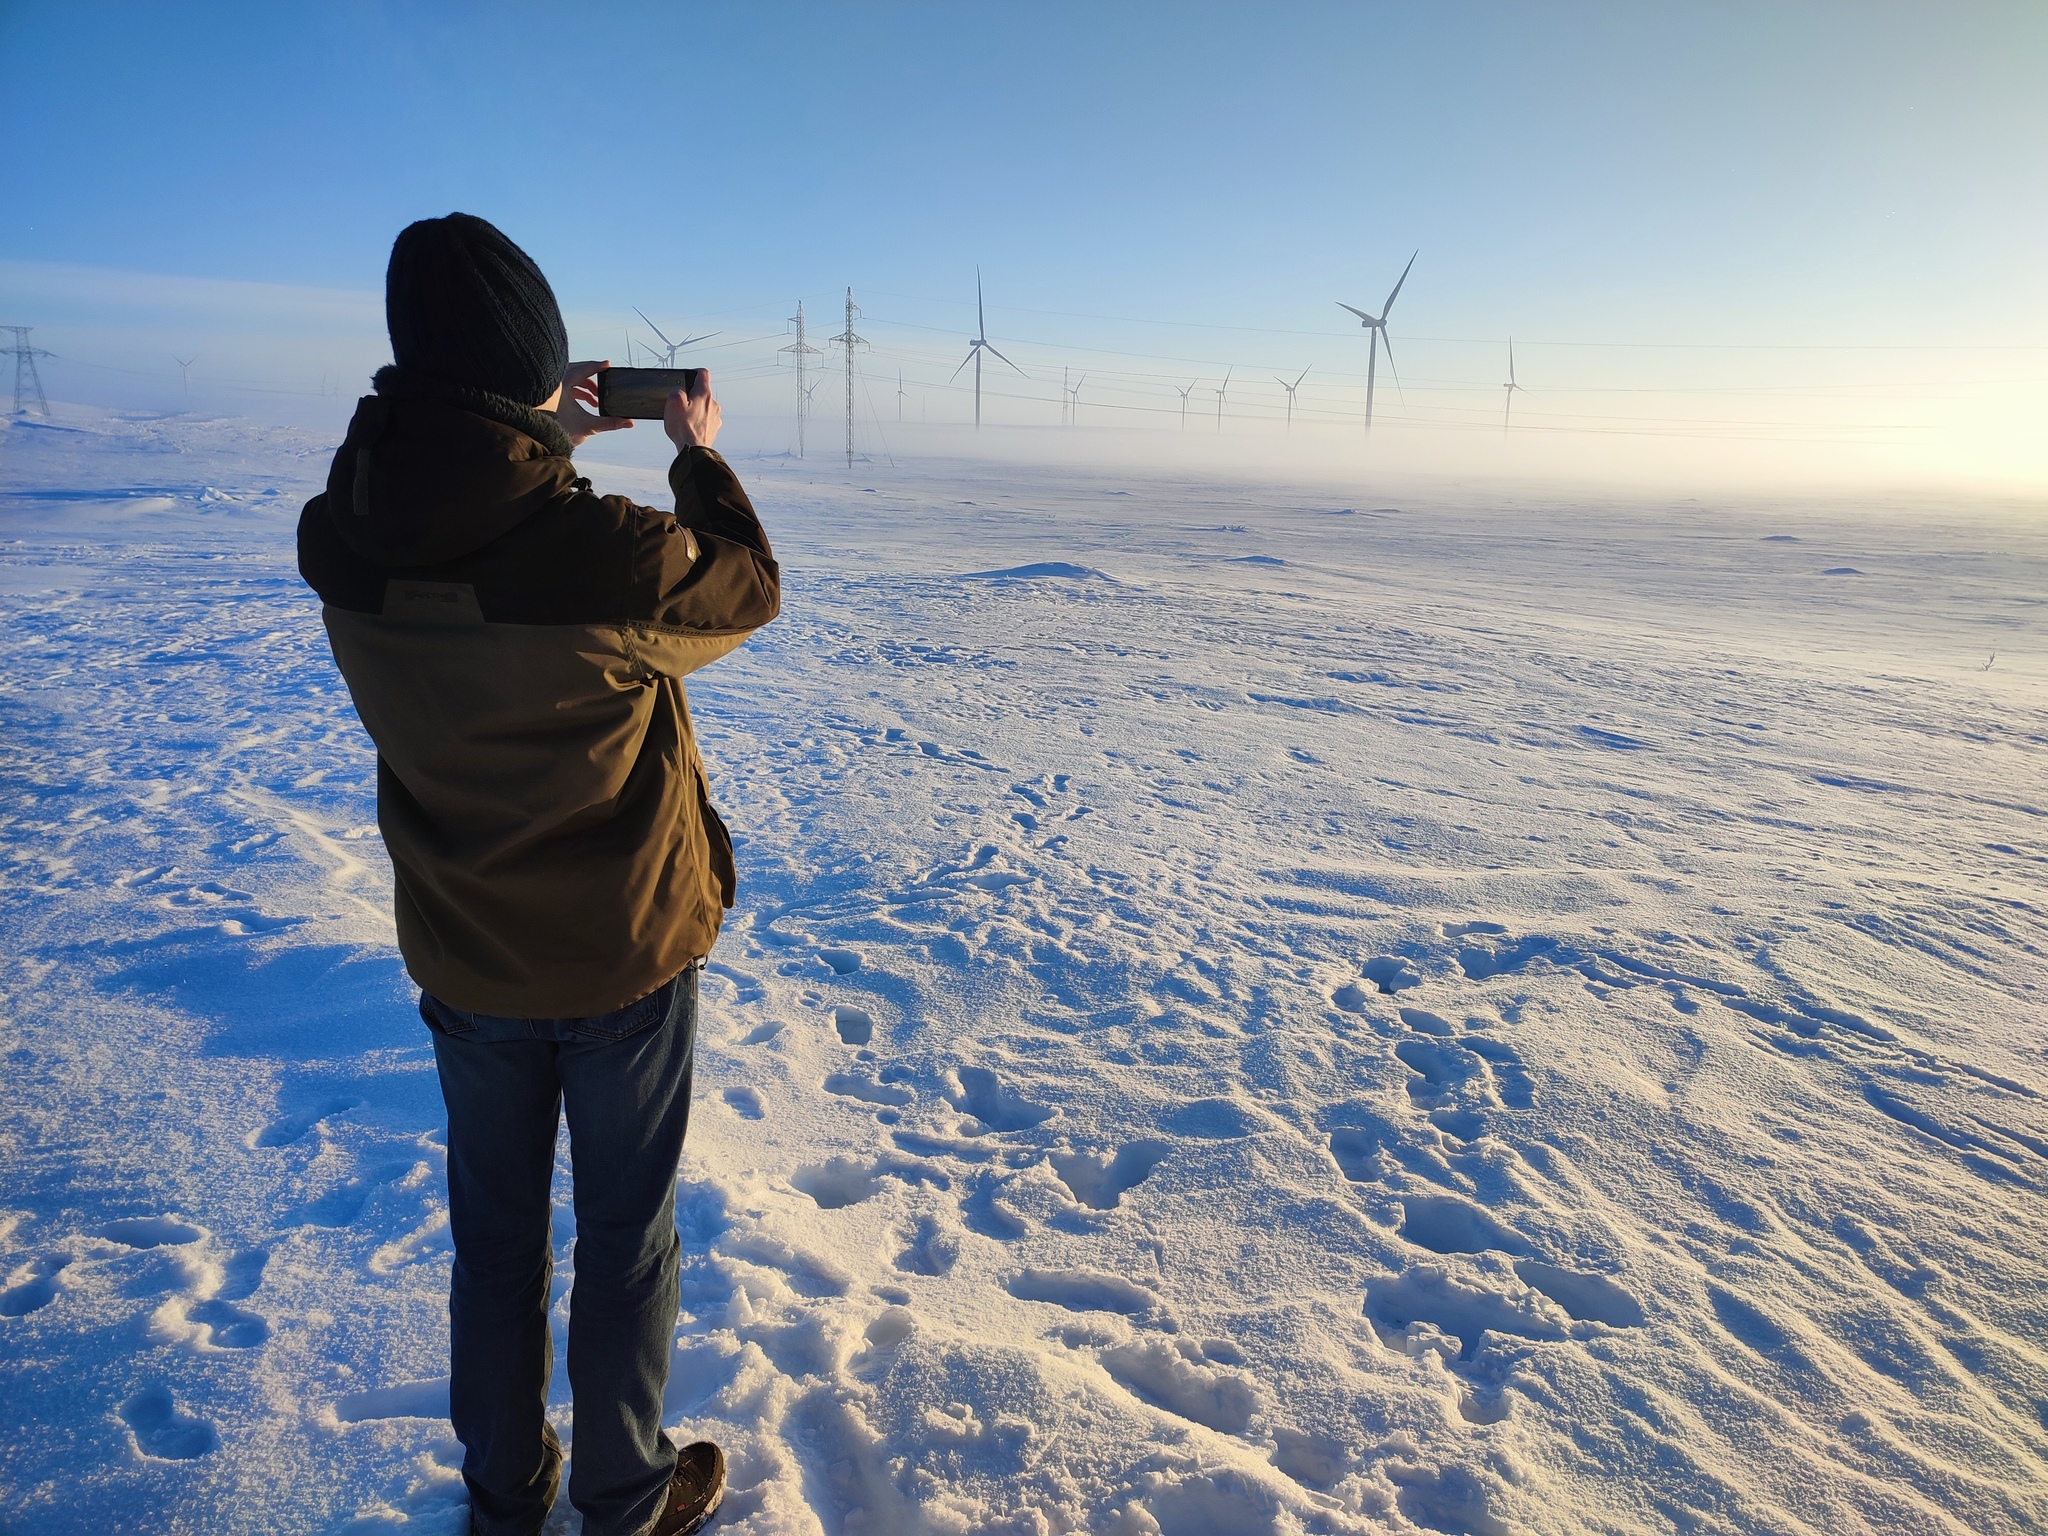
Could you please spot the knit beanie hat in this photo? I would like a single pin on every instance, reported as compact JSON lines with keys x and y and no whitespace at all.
{"x":466,"y":306}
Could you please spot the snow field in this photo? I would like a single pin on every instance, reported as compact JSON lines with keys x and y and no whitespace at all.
{"x":1250,"y":1010}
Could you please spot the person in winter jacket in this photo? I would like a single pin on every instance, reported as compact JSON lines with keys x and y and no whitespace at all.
{"x":515,"y":645}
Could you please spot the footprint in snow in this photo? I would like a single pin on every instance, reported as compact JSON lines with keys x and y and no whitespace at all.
{"x":1175,"y":1376}
{"x":890,"y":1095}
{"x":981,"y":1094}
{"x":745,"y":988}
{"x":342,"y":1205}
{"x":932,"y":1250}
{"x":744,"y":1102}
{"x":1586,"y":1297}
{"x":1100,"y":1184}
{"x":225,"y":1325}
{"x":1392,"y":974}
{"x":34,"y":1285}
{"x":286,"y":1129}
{"x":1441,"y":1070}
{"x":150,"y":1232}
{"x":1089,"y":1290}
{"x":985,"y":1212}
{"x":843,"y":1181}
{"x":1424,"y":1022}
{"x":406,"y":1400}
{"x":1445,"y":1224}
{"x":162,"y":1431}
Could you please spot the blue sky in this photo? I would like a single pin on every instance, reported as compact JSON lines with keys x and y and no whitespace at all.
{"x":1805,"y":177}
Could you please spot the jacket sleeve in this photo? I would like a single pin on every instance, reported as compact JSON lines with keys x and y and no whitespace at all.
{"x":705,"y":577}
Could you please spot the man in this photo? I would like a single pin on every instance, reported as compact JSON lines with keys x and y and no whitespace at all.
{"x":515,"y":645}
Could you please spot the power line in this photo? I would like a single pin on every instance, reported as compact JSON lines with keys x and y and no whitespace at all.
{"x":1491,"y":341}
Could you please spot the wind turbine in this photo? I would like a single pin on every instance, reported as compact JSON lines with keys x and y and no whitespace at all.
{"x":1184,"y":393}
{"x":1221,"y":390}
{"x":1508,"y":404}
{"x":899,"y":394}
{"x":1377,"y":325}
{"x":185,"y":371}
{"x":1075,"y":393}
{"x":978,"y":346}
{"x":672,"y":347}
{"x":1291,"y":388}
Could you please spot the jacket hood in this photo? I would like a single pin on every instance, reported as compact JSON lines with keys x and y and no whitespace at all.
{"x":421,"y":481}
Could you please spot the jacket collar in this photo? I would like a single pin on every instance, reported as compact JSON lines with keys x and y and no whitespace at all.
{"x":397,"y":383}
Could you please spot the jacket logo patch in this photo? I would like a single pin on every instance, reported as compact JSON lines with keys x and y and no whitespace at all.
{"x":431,"y":602}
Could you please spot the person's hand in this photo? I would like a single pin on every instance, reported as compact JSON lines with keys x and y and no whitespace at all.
{"x":575,"y":404}
{"x":691,"y":418}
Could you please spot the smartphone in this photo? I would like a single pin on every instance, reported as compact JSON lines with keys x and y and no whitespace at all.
{"x":641,"y":392}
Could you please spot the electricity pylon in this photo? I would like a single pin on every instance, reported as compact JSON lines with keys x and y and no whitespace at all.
{"x":27,"y":382}
{"x":802,"y":350}
{"x":848,"y":340}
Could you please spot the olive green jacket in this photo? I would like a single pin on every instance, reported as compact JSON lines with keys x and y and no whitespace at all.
{"x":515,"y":645}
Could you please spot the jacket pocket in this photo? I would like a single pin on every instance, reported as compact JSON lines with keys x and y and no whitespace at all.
{"x":721,"y":844}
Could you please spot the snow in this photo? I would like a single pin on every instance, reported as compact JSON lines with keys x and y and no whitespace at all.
{"x":1256,"y":1012}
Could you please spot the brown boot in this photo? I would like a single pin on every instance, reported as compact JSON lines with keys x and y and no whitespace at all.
{"x":695,"y":1492}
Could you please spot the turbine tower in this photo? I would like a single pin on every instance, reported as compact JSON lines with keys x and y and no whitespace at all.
{"x":978,"y":346}
{"x":801,"y":350}
{"x":1377,"y":325}
{"x":672,"y":347}
{"x":1291,"y":388}
{"x":848,"y":340}
{"x":1221,"y":390}
{"x":1508,"y":403}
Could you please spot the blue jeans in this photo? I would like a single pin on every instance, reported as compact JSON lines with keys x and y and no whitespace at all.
{"x":624,"y":1080}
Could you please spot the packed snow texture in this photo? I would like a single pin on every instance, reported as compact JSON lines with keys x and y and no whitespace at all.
{"x":1249,"y":1010}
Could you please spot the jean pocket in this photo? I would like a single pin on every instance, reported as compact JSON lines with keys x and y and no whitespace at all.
{"x":442,"y":1019}
{"x":623,"y":1023}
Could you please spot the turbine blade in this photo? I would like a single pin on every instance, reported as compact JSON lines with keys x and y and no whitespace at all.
{"x":1397,"y":290}
{"x":965,"y":361}
{"x":1020,"y":372}
{"x":1304,"y":374}
{"x":1390,"y":363}
{"x":1511,"y":362}
{"x":657,"y":331}
{"x":1370,"y":320}
{"x":980,"y":313}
